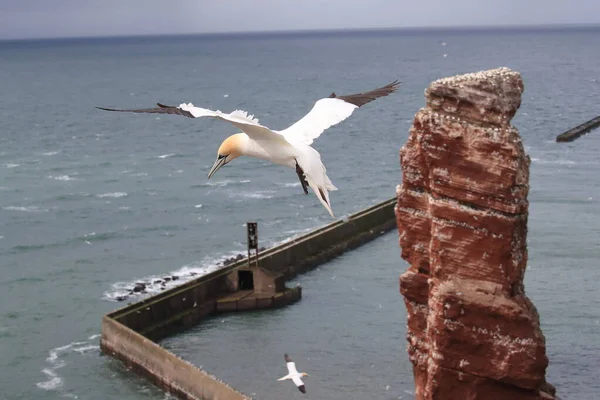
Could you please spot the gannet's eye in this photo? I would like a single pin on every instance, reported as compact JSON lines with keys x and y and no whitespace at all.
{"x":222,"y":156}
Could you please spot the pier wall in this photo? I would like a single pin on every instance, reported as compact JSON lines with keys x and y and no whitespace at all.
{"x":162,"y":367}
{"x":130,"y":333}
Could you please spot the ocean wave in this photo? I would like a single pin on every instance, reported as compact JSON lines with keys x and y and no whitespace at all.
{"x":295,"y":184}
{"x":167,"y":155}
{"x":559,"y":162}
{"x":563,"y":162}
{"x":114,"y":195}
{"x":223,"y":183}
{"x":25,"y":209}
{"x":51,"y":153}
{"x":253,"y":195}
{"x":11,"y":165}
{"x":62,"y":177}
{"x":57,"y":359}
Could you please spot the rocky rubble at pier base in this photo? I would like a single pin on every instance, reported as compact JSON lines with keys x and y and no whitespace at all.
{"x":462,"y":219}
{"x":148,"y":286}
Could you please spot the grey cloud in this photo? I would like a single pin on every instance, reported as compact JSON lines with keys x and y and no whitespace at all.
{"x":59,"y":18}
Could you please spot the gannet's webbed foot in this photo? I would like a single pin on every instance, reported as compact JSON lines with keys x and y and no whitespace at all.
{"x":302,"y":178}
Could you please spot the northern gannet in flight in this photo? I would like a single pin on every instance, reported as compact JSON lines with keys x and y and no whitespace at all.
{"x":289,"y":147}
{"x":293,"y":374}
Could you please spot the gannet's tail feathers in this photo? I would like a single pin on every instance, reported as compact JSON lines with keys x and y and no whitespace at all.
{"x":316,"y":176}
{"x":323,"y":196}
{"x":331,"y":111}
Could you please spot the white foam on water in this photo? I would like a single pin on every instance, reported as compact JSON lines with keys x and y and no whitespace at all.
{"x":25,"y":209}
{"x":56,"y":360}
{"x":51,"y":384}
{"x":562,"y":162}
{"x":222,"y":183}
{"x":292,"y":184}
{"x":253,"y":195}
{"x":11,"y":165}
{"x":114,"y":195}
{"x":51,"y":153}
{"x":86,"y":349}
{"x":167,"y":155}
{"x":62,"y":178}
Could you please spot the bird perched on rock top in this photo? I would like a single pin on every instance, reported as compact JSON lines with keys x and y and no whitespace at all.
{"x":293,"y":374}
{"x":289,"y":147}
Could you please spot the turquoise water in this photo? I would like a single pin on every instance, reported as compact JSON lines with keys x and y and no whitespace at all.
{"x":92,"y":202}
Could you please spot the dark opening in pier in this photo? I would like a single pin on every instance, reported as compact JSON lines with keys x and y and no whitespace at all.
{"x":245,"y":280}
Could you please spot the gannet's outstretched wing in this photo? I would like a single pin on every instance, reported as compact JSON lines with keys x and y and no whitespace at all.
{"x":291,"y":366}
{"x":299,"y":383}
{"x":240,"y":119}
{"x":331,"y":111}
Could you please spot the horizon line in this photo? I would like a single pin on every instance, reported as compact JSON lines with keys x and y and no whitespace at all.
{"x":291,"y":32}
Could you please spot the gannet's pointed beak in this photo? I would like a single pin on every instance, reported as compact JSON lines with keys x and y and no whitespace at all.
{"x":221,"y":160}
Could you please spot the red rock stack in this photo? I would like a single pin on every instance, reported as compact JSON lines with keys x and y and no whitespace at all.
{"x":462,"y":217}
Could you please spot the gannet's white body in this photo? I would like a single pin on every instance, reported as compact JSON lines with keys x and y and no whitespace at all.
{"x":293,"y":374}
{"x":289,"y":147}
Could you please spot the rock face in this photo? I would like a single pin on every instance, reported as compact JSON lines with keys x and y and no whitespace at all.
{"x":462,"y":217}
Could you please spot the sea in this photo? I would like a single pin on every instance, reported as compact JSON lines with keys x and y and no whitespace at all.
{"x":92,"y":202}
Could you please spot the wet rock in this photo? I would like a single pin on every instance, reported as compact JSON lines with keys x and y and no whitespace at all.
{"x":139,"y":287}
{"x":157,"y":281}
{"x":239,"y":257}
{"x":121,"y":298}
{"x":462,"y":218}
{"x":167,"y":278}
{"x":174,"y":277}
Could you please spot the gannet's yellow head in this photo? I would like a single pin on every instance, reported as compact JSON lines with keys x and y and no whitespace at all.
{"x":303,"y":374}
{"x":230,"y":149}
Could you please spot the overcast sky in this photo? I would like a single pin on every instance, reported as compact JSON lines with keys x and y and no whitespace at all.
{"x":60,"y":18}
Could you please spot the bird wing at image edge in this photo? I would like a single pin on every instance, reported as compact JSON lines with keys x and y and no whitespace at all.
{"x":360,"y":99}
{"x":161,"y":109}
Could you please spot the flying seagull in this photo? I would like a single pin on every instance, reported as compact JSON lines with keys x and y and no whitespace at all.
{"x":293,"y":374}
{"x":289,"y":147}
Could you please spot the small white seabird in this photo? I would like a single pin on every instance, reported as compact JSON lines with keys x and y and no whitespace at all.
{"x":289,"y":147}
{"x":293,"y":374}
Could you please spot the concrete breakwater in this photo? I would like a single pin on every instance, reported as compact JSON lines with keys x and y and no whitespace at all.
{"x":579,"y":130}
{"x":130,"y":333}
